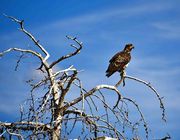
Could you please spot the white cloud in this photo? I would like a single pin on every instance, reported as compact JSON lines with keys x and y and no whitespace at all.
{"x":168,"y":30}
{"x":111,"y":13}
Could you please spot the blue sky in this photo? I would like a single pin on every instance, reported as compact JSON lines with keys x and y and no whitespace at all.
{"x":104,"y":27}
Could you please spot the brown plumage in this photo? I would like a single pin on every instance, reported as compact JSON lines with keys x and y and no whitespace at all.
{"x":120,"y":60}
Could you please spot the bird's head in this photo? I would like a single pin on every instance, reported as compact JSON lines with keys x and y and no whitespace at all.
{"x":128,"y":47}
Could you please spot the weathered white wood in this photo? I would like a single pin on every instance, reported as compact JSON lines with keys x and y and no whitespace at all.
{"x":105,"y":138}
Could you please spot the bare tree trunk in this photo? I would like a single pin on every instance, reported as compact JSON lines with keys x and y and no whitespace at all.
{"x":56,"y":115}
{"x":57,"y":128}
{"x":57,"y":120}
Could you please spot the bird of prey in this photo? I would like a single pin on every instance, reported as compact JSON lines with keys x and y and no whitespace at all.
{"x":120,"y":60}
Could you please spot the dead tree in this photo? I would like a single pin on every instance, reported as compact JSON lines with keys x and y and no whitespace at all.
{"x":53,"y":116}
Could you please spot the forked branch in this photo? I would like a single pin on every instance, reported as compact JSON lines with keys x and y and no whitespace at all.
{"x":77,"y":50}
{"x":22,"y":50}
{"x":92,"y":91}
{"x":21,"y":23}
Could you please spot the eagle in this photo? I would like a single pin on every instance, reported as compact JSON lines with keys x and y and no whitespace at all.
{"x":119,"y":61}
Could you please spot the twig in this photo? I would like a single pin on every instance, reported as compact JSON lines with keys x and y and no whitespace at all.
{"x":89,"y":98}
{"x":81,"y":92}
{"x":153,"y":89}
{"x":15,"y":134}
{"x":141,"y":114}
{"x":2,"y":133}
{"x":47,"y":96}
{"x":21,"y":112}
{"x":17,"y":64}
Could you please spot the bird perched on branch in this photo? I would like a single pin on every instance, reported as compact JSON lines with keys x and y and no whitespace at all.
{"x":119,"y":61}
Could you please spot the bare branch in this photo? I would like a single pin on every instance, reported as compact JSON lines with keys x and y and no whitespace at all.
{"x":23,"y":125}
{"x":15,"y":134}
{"x":22,"y":50}
{"x":107,"y":106}
{"x":46,"y":98}
{"x":71,"y":68}
{"x":17,"y":64}
{"x":81,"y":92}
{"x":21,"y":23}
{"x":92,"y":91}
{"x":77,"y":50}
{"x":168,"y":137}
{"x":94,"y":123}
{"x":82,"y":89}
{"x":66,"y":89}
{"x":154,"y":90}
{"x":141,"y":114}
{"x":2,"y":133}
{"x":122,"y":74}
